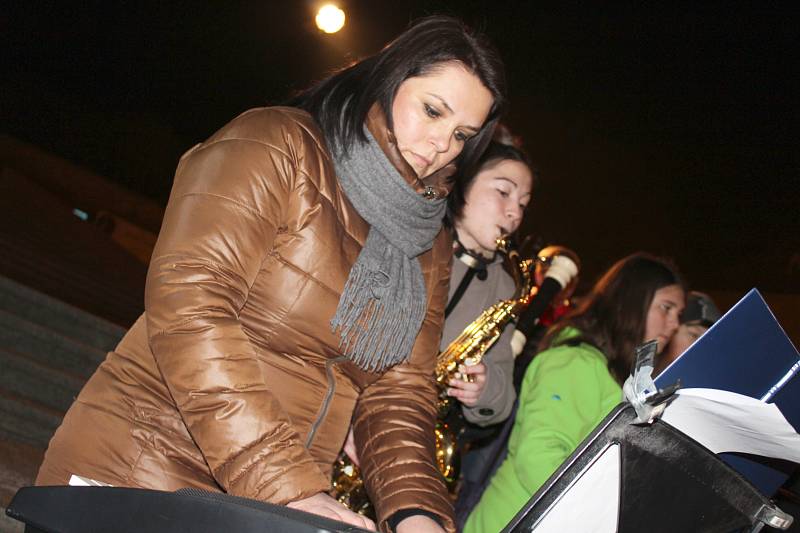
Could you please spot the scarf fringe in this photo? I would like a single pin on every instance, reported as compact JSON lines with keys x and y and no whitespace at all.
{"x":374,"y":332}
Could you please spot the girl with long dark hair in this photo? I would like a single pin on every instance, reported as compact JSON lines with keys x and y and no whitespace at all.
{"x":576,"y":380}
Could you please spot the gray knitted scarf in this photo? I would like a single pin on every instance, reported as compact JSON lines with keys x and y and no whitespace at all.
{"x":384,"y":300}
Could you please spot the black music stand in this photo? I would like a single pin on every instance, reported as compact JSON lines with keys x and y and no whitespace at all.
{"x":659,"y":480}
{"x":125,"y":510}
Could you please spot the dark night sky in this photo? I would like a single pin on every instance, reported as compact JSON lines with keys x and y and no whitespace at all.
{"x":668,"y":128}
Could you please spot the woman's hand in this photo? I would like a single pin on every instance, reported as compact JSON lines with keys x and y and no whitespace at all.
{"x":465,"y":391}
{"x":419,"y":524}
{"x":323,"y":505}
{"x":350,"y":447}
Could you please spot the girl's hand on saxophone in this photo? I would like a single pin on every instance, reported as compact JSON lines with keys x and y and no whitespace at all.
{"x":468,"y":384}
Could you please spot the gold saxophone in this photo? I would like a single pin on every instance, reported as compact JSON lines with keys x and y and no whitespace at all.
{"x":468,"y":348}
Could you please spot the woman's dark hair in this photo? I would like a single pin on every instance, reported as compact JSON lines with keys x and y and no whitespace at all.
{"x":613,"y":316}
{"x":502,"y":147}
{"x":341,"y":102}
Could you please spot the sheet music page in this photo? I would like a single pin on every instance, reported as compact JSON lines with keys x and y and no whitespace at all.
{"x":724,"y":421}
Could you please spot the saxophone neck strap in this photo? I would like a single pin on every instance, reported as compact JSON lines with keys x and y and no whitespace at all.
{"x":476,"y":264}
{"x":472,"y":259}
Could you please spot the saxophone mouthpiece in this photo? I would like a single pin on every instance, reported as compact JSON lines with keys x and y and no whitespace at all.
{"x":504,"y":243}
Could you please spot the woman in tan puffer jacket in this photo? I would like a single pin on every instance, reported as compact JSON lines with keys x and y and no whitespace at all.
{"x":298,"y":283}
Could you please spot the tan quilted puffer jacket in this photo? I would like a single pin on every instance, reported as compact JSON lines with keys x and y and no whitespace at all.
{"x":232,"y":379}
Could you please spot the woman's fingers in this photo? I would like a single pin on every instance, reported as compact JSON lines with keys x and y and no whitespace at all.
{"x":323,"y":505}
{"x":354,"y":519}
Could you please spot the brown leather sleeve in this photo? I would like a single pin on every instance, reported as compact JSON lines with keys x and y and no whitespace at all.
{"x":395,"y":417}
{"x":229,"y":196}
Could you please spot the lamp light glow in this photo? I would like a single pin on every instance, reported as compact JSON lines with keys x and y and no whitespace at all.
{"x":330,"y":18}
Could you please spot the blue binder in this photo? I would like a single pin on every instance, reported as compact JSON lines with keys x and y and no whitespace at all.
{"x":747,"y":352}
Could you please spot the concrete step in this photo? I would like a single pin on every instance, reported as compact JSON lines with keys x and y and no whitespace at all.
{"x":19,"y":464}
{"x":48,"y":347}
{"x":29,"y":379}
{"x":27,"y":421}
{"x":80,"y":287}
{"x":63,"y":318}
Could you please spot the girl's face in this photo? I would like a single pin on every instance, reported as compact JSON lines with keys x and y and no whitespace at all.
{"x":495,"y":202}
{"x":434,"y":115}
{"x":684,"y":337}
{"x":664,"y":314}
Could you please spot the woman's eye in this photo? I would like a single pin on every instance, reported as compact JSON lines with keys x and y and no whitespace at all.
{"x":431,"y":112}
{"x":503,"y":193}
{"x":461,"y":137}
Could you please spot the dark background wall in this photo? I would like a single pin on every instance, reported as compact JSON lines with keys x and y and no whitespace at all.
{"x":655,"y":126}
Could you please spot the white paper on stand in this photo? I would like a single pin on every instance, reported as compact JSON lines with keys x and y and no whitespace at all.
{"x":80,"y":481}
{"x":595,"y":492}
{"x":724,"y":421}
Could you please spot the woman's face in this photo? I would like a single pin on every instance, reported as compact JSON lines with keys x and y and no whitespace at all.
{"x":435,"y":114}
{"x":495,"y":202}
{"x":663,"y":315}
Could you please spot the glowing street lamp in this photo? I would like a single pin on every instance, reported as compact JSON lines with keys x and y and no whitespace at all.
{"x":330,"y":18}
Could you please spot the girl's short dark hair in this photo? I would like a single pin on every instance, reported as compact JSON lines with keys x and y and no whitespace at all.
{"x":613,"y":316}
{"x":341,"y":102}
{"x":501,"y":148}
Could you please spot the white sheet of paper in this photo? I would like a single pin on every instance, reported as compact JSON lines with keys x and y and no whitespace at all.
{"x":80,"y":481}
{"x":591,"y":504}
{"x":724,"y":421}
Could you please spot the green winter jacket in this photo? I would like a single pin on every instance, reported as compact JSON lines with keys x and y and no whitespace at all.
{"x":566,"y":392}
